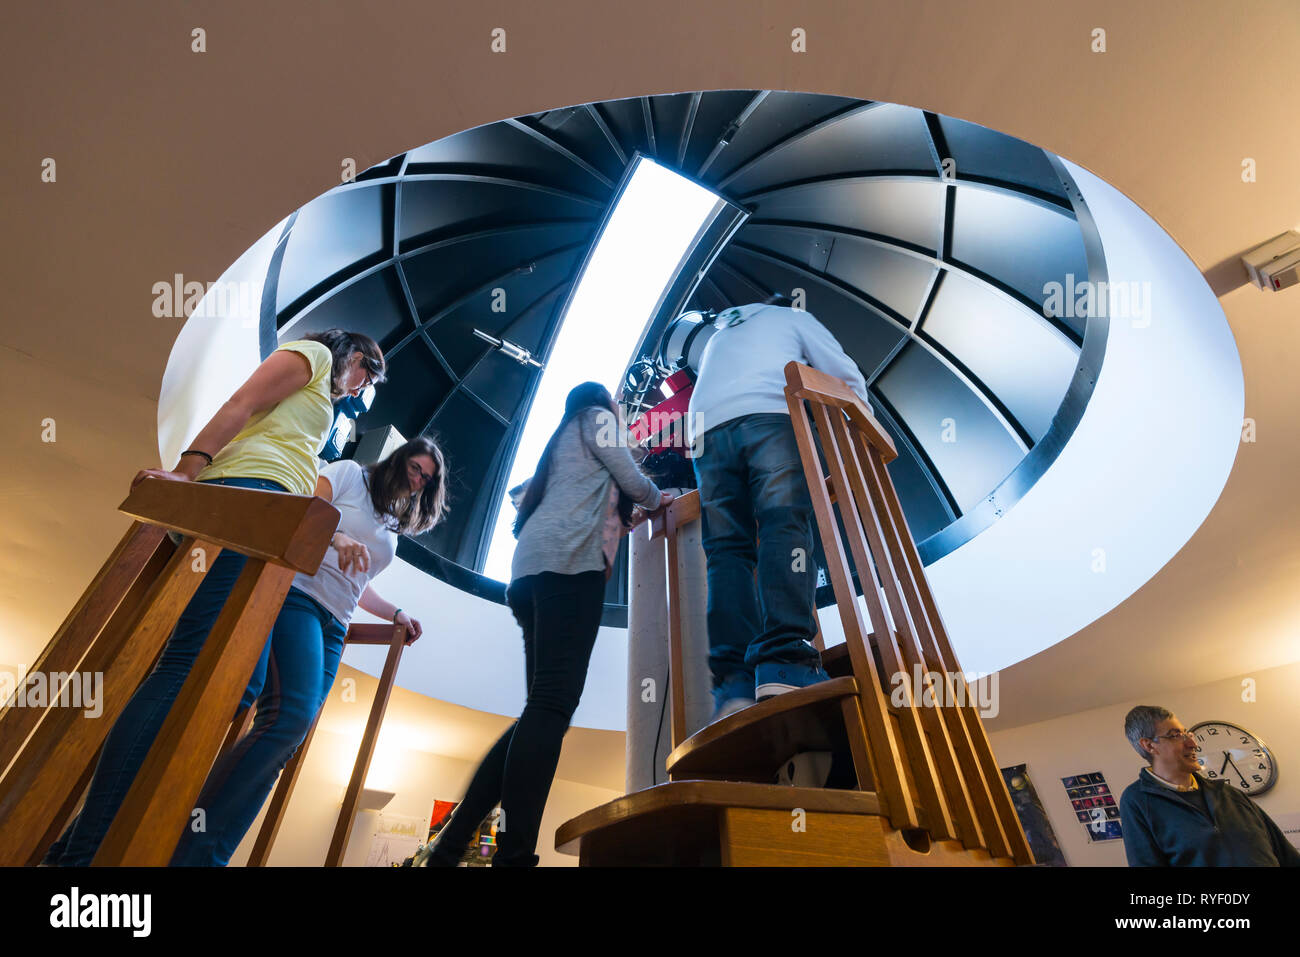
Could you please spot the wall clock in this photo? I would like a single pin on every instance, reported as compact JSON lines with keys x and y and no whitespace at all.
{"x":1228,"y":752}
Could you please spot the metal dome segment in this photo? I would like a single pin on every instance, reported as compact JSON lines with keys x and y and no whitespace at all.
{"x":925,"y":243}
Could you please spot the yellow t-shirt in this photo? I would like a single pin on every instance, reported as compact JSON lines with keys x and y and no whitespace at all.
{"x":281,"y":443}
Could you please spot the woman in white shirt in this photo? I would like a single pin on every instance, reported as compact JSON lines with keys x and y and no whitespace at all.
{"x":404,"y":494}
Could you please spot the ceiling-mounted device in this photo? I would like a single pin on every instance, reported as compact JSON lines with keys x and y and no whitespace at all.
{"x":1276,"y":263}
{"x":513,"y":350}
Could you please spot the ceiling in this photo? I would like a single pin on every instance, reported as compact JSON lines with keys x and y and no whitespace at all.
{"x":171,"y":161}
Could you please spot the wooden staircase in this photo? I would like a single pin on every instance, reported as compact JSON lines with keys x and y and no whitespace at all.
{"x":119,"y":627}
{"x":927,"y":788}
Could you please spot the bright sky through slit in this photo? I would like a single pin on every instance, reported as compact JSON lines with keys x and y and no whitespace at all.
{"x":638,"y":254}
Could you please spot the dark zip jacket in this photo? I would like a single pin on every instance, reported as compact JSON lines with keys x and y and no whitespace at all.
{"x":1167,"y":828}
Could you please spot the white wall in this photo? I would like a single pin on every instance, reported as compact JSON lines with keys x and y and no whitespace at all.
{"x":217,"y":349}
{"x":1094,"y":740}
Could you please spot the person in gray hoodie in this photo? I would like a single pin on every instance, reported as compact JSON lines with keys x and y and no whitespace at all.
{"x":754,"y":501}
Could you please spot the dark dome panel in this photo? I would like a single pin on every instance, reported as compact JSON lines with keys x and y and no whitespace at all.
{"x":924,"y":506}
{"x":880,"y":138}
{"x":778,"y":117}
{"x":898,"y":280}
{"x":1025,"y":362}
{"x":979,"y":151}
{"x":714,"y":117}
{"x":331,"y":234}
{"x":441,"y":276}
{"x":435,"y":209}
{"x":577,"y":130}
{"x":910,"y":212}
{"x":1024,"y":244}
{"x":503,"y":150}
{"x":374,"y":305}
{"x":416,"y":384}
{"x":964,"y":440}
{"x":500,"y":382}
{"x":470,"y":438}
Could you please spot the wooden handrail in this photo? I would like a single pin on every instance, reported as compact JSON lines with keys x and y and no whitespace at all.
{"x":118,"y":628}
{"x":805,"y":382}
{"x":683,"y":510}
{"x":953,"y":779}
{"x":275,"y":527}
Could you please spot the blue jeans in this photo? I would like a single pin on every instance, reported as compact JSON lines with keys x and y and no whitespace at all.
{"x":127,"y":745}
{"x":290,"y":684}
{"x":756,"y":516}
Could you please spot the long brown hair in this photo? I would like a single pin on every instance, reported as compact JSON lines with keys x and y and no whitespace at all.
{"x":390,"y":491}
{"x":341,"y":345}
{"x":589,"y":395}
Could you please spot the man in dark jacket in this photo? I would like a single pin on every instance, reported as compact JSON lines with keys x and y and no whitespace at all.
{"x":1174,"y":817}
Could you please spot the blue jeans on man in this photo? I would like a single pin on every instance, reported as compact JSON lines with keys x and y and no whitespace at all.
{"x":756,"y":516}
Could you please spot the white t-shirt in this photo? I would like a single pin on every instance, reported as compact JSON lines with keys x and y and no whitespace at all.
{"x":337,"y":592}
{"x":742,"y":371}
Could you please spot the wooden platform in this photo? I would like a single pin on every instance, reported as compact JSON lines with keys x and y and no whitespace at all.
{"x":731,"y":824}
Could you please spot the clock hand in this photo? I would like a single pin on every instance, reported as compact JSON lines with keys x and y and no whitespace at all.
{"x":1226,"y":758}
{"x":1234,"y":767}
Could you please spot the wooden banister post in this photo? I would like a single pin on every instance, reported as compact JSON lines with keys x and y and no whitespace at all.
{"x":352,"y":797}
{"x":991,"y":773}
{"x":54,"y":759}
{"x":261,"y":853}
{"x":149,"y":824}
{"x":116,"y":590}
{"x":927,"y":746}
{"x":886,"y":759}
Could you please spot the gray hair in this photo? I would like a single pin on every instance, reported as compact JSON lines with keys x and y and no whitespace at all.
{"x":1141,"y":723}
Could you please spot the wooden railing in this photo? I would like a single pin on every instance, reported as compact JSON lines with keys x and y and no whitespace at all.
{"x":396,"y":638}
{"x":931,"y":766}
{"x":954,"y":775}
{"x":119,"y":627}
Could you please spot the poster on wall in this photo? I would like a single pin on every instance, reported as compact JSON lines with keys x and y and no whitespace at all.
{"x":1094,"y":805}
{"x":1038,"y":829}
{"x":396,"y":837}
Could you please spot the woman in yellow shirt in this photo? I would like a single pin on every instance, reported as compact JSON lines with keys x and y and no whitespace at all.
{"x":266,"y":437}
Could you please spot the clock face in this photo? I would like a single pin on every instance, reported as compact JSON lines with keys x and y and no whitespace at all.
{"x":1230,"y":753}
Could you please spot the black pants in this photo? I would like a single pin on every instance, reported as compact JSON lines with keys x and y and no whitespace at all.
{"x":559,"y":615}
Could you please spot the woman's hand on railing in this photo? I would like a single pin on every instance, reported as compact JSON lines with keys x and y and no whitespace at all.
{"x":413,"y":626}
{"x":353,"y":556}
{"x":665,"y":499}
{"x":160,"y":474}
{"x":640,"y":513}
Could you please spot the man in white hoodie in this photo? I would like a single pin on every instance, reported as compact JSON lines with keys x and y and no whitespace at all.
{"x":755,"y":506}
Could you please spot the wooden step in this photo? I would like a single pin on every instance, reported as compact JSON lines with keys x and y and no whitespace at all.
{"x":751,"y":744}
{"x":683,"y":823}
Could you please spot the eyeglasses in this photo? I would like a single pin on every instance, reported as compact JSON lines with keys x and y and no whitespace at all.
{"x":368,"y":367}
{"x":420,"y":473}
{"x":1174,"y":736}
